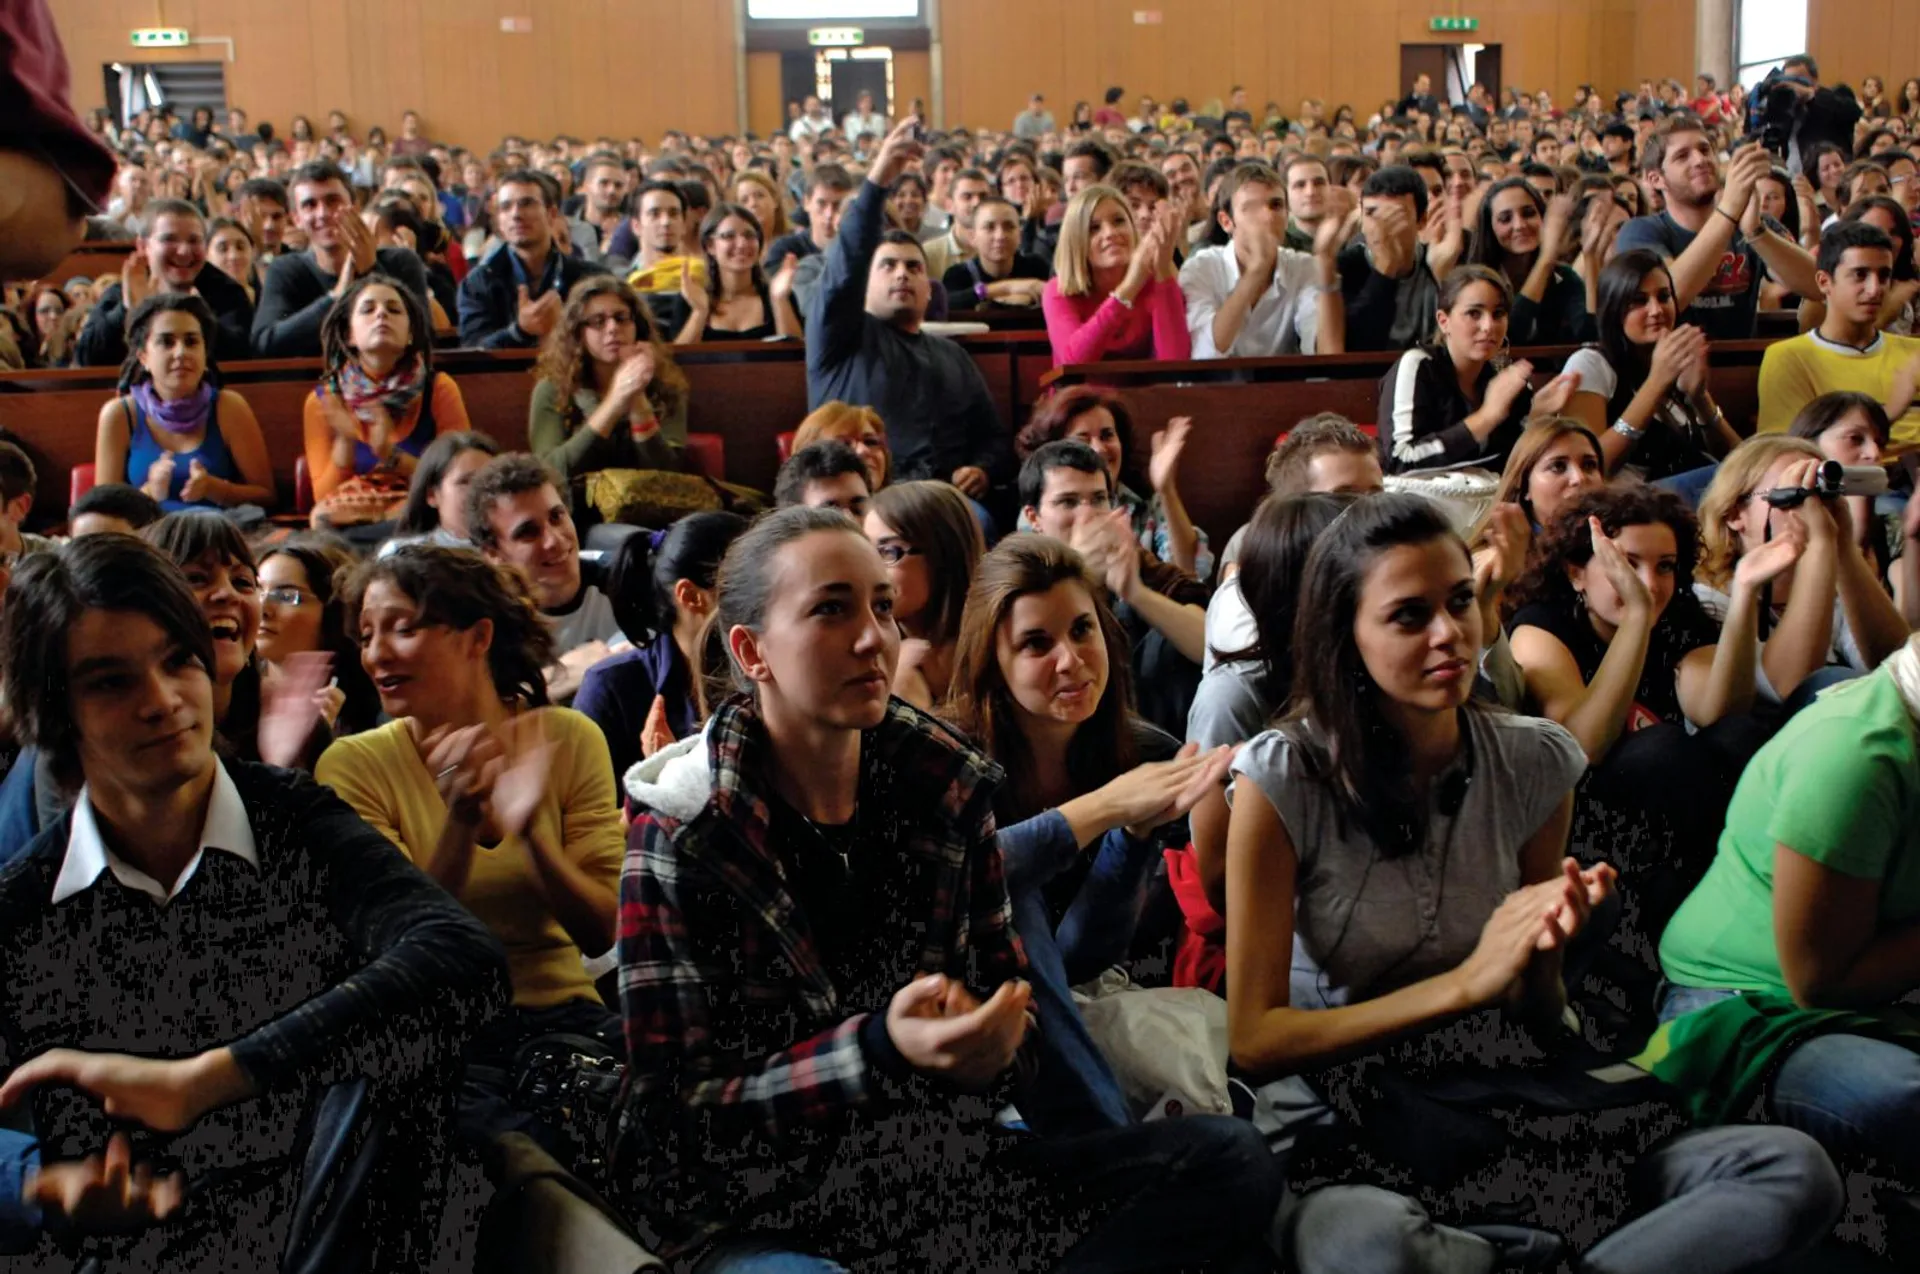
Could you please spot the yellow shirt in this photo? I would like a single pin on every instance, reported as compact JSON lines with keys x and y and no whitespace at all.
{"x":664,"y":275}
{"x":383,"y":776}
{"x":1795,"y":372}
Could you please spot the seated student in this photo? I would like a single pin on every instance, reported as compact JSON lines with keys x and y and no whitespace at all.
{"x":517,"y":518}
{"x":1385,"y":278}
{"x":1810,"y":908}
{"x":436,"y":508}
{"x":661,"y":264}
{"x":1614,"y":644}
{"x":112,"y":507}
{"x":756,"y":192}
{"x":1040,"y":679}
{"x":826,"y":475}
{"x":300,"y":288}
{"x":17,"y":483}
{"x":998,"y":274}
{"x":302,"y":616}
{"x":379,"y":404}
{"x":1823,"y":614}
{"x":133,"y":936}
{"x":396,"y":223}
{"x":506,"y":803}
{"x":170,"y":259}
{"x":178,"y":436}
{"x":1555,"y":461}
{"x":1115,"y":292}
{"x":1067,"y":493}
{"x":955,"y":244}
{"x":865,"y":346}
{"x":1644,"y":389}
{"x":1098,"y":418}
{"x":1852,"y":428}
{"x":866,"y":1038}
{"x":1900,"y":310}
{"x":1255,"y":297}
{"x":513,"y":298}
{"x":859,"y":427}
{"x":230,"y":247}
{"x":1325,"y":452}
{"x":827,"y":189}
{"x":740,"y":304}
{"x":927,"y":535}
{"x":1523,"y":236}
{"x":1379,"y":772}
{"x":1444,"y":406}
{"x":662,"y":588}
{"x":1848,"y":350}
{"x":907,"y":204}
{"x":608,"y":394}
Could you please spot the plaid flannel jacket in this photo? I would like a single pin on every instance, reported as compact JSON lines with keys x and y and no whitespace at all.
{"x":746,"y":1066}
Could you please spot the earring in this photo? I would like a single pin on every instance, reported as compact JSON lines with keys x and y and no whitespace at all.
{"x":1580,"y":603}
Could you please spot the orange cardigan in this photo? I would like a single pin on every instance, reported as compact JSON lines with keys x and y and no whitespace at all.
{"x":449,"y":416}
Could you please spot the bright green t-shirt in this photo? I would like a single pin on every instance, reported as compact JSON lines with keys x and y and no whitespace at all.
{"x":1839,"y":784}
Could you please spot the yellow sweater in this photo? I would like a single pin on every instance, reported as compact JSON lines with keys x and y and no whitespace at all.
{"x":383,"y":776}
{"x":1795,"y":372}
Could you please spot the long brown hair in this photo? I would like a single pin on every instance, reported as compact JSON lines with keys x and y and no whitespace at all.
{"x":981,"y":705}
{"x":563,"y":356}
{"x":1540,"y":434}
{"x":937,"y":521}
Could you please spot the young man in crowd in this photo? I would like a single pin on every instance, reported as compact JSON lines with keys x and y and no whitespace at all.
{"x":517,"y":516}
{"x":411,"y":141}
{"x":1307,"y":186}
{"x":1713,"y":235}
{"x":112,"y":506}
{"x":1848,"y":351}
{"x":660,"y":220}
{"x":1253,"y":297}
{"x":826,"y":475}
{"x":300,"y":287}
{"x":1189,"y":193}
{"x":1035,"y":122}
{"x":218,"y":952}
{"x":999,"y":274}
{"x":956,"y":246}
{"x":814,"y":121}
{"x":514,"y":297}
{"x":865,"y":346}
{"x":863,"y":119}
{"x":17,"y":482}
{"x":171,"y":256}
{"x":828,"y":188}
{"x":1087,"y":163}
{"x":1067,"y":492}
{"x":604,"y":198}
{"x":1391,"y":294}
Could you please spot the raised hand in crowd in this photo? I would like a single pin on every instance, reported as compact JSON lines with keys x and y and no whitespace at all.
{"x":946,"y":1033}
{"x":1166,"y":448}
{"x":1502,"y":392}
{"x":465,"y":762}
{"x":521,"y":782}
{"x":655,"y":732}
{"x":360,"y":247}
{"x":296,"y":699}
{"x":1106,"y":541}
{"x":1502,"y":557}
{"x":699,"y":302}
{"x":899,"y":150}
{"x":1551,"y":398}
{"x":1154,"y":794}
{"x":1391,"y":238}
{"x":136,"y":280}
{"x":159,"y":479}
{"x":1340,"y":223}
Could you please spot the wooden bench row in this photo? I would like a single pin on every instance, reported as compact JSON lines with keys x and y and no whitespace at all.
{"x":747,"y":393}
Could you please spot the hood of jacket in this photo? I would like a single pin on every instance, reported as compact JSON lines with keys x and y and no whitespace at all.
{"x":675,"y":781}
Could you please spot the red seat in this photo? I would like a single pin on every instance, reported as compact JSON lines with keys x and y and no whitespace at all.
{"x":708,"y":454}
{"x":783,"y":443}
{"x":302,"y":487}
{"x":79,"y":482}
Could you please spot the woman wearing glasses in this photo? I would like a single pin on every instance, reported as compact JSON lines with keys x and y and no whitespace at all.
{"x":301,"y":615}
{"x":928,"y":537}
{"x":609,"y":395}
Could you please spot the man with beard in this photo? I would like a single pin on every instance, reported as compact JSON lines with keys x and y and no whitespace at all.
{"x":1714,"y":235}
{"x":512,"y":299}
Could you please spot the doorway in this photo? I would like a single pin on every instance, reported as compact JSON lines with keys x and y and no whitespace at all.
{"x":132,"y":87}
{"x":1451,"y":67}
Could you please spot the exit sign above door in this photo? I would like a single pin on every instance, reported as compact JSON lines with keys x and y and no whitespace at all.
{"x":160,"y":38}
{"x":1453,"y":24}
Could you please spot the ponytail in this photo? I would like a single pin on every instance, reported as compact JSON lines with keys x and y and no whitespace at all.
{"x":647,"y":565}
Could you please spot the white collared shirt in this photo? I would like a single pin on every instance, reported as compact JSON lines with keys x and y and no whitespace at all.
{"x":226,"y":829}
{"x":1285,"y":320}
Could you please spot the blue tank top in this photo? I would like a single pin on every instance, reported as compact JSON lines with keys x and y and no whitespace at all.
{"x":143,"y":449}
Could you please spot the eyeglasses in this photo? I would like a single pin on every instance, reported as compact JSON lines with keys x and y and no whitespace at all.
{"x":893,"y":553}
{"x":728,"y":236}
{"x":285,"y":595}
{"x":619,"y":318}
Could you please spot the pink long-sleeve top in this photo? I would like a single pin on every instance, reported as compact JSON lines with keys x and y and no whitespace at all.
{"x":1085,"y":330}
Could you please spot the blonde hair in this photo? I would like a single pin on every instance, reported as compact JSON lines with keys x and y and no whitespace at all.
{"x":843,"y":422}
{"x":1738,"y":478}
{"x":779,"y":225}
{"x":1070,"y":269}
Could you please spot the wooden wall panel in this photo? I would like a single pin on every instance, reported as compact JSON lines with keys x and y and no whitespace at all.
{"x":587,"y":67}
{"x":912,"y":77}
{"x":765,"y":111}
{"x":1852,"y":39}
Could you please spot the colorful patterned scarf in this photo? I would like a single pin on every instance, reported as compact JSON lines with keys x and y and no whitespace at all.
{"x":175,"y":415}
{"x":400,"y":389}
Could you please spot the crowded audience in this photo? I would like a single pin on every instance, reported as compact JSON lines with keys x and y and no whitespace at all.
{"x":947,"y":857}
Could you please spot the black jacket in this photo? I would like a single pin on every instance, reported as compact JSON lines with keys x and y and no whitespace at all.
{"x":103,"y":339}
{"x":490,"y":300}
{"x":296,"y":295}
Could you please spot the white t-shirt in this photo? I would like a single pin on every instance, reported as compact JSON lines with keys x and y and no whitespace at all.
{"x":1285,"y":320}
{"x":1845,"y":651}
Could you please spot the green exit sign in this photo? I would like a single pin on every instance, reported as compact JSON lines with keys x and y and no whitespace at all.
{"x":1453,"y":24}
{"x":160,"y":38}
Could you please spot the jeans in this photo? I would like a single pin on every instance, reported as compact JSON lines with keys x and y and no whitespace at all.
{"x":1711,"y":1202}
{"x":1851,"y":1093}
{"x":486,"y":1087}
{"x":1075,"y":1090}
{"x":1169,"y":1195}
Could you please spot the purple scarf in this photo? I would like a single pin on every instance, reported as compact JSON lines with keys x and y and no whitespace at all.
{"x":178,"y":415}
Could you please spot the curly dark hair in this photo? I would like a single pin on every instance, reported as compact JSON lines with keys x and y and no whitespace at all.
{"x":1568,"y":541}
{"x":459,"y":588}
{"x":563,"y":356}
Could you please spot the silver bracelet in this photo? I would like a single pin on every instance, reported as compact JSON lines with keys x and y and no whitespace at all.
{"x":1627,"y":431}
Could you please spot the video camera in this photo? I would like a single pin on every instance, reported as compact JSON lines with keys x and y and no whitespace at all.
{"x":1831,"y":481}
